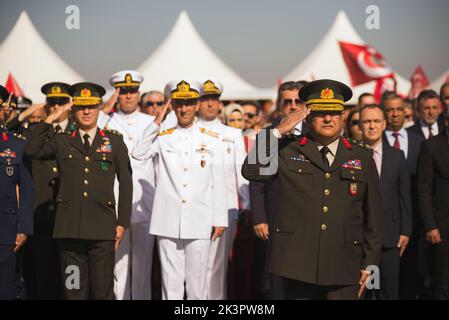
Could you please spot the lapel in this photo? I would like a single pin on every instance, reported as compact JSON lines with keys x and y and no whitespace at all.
{"x":444,"y":143}
{"x":386,"y":155}
{"x":96,"y":143}
{"x":75,"y":140}
{"x":311,"y":152}
{"x":343,"y":154}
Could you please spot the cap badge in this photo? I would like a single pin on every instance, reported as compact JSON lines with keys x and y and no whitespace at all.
{"x":327,"y":94}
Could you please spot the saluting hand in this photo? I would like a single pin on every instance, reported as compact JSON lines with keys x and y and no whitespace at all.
{"x":109,"y":104}
{"x":28,"y":111}
{"x":20,"y":241}
{"x":161,"y":115}
{"x":289,"y":122}
{"x":52,"y":117}
{"x":119,"y":231}
{"x":217,"y":232}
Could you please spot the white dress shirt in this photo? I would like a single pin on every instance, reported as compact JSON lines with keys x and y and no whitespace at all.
{"x":402,"y":137}
{"x":425,"y":128}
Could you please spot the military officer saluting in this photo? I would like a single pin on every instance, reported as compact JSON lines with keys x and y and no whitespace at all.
{"x":135,"y":257}
{"x":88,"y":161}
{"x":190,"y":201}
{"x":16,"y":197}
{"x":327,"y":219}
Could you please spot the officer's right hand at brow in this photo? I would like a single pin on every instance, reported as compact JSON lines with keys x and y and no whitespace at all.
{"x":288,"y":123}
{"x":57,"y":112}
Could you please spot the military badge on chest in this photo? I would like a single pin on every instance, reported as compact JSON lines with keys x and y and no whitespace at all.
{"x":354,"y":165}
{"x":203,"y":151}
{"x":105,"y":148}
{"x":9,"y":155}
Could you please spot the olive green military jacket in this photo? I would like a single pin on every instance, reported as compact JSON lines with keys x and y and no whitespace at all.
{"x":326,"y":225}
{"x":86,"y":207}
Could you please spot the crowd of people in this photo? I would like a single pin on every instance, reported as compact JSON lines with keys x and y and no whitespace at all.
{"x":148,"y":195}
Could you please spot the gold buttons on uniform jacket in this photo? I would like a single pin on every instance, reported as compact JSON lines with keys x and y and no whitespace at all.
{"x":70,"y":156}
{"x":85,"y":194}
{"x":86,"y":182}
{"x":323,"y":227}
{"x":109,"y":203}
{"x":327,"y":192}
{"x":86,"y":170}
{"x":299,"y":170}
{"x":327,"y":175}
{"x":325,"y":209}
{"x":54,"y":169}
{"x":184,"y":201}
{"x":185,"y":169}
{"x":184,"y":185}
{"x":87,"y":158}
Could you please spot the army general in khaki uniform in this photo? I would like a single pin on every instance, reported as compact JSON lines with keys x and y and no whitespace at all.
{"x":86,"y":225}
{"x":325,"y":230}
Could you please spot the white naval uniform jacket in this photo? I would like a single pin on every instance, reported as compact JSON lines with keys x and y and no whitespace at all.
{"x":131,"y":126}
{"x":190,"y":191}
{"x":233,"y":148}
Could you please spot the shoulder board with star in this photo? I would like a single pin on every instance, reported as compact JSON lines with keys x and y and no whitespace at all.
{"x":361,"y":144}
{"x":209,"y":132}
{"x":165,"y":132}
{"x":113,"y":132}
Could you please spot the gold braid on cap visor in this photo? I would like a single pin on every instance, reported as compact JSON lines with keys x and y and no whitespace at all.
{"x":325,"y":105}
{"x":185,"y":95}
{"x":53,"y":95}
{"x":86,"y":101}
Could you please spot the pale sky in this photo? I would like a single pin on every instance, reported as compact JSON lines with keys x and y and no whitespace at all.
{"x":261,"y":40}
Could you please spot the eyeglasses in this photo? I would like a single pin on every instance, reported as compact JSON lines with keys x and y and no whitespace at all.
{"x":60,"y":101}
{"x":287,"y":102}
{"x":250,"y":115}
{"x":353,"y":122}
{"x":127,"y":90}
{"x":153,"y":103}
{"x":184,"y":102}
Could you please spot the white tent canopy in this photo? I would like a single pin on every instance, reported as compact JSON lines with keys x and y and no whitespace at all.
{"x":194,"y":60}
{"x":437,"y":83}
{"x":326,"y":60}
{"x":28,"y":57}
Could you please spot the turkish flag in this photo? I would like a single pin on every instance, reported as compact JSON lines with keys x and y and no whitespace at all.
{"x":13,"y":87}
{"x":419,"y":82}
{"x":364,"y":63}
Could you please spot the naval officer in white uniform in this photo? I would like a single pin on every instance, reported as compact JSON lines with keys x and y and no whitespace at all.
{"x":233,"y":148}
{"x":134,"y":259}
{"x":190,"y":206}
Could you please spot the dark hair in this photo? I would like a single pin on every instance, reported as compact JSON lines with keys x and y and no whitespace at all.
{"x":349,"y":119}
{"x":252,"y":103}
{"x":425,"y":95}
{"x":373,"y":106}
{"x":289,"y":85}
{"x":446,"y":84}
{"x":389,"y":95}
{"x":363,"y":95}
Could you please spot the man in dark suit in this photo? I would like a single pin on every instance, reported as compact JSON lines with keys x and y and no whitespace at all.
{"x":433,"y":193}
{"x":86,"y":225}
{"x":41,"y":258}
{"x":429,"y":110}
{"x":16,"y":198}
{"x":395,"y":193}
{"x":326,"y":225}
{"x":411,"y":282}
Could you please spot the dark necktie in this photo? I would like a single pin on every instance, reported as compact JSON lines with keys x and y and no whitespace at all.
{"x":58,"y":128}
{"x":396,"y":141}
{"x":86,"y":142}
{"x":430,"y":132}
{"x":324,"y":151}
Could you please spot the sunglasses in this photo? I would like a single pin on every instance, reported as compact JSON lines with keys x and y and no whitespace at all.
{"x":124,"y":90}
{"x":184,"y":102}
{"x":288,"y":102}
{"x":151,"y":103}
{"x":60,"y":101}
{"x":250,"y":115}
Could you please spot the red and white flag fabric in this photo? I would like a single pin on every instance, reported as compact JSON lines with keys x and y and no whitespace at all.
{"x":366,"y":64}
{"x":419,"y":82}
{"x":13,"y":87}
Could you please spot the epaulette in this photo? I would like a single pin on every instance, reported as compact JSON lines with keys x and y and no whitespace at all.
{"x":209,"y":133}
{"x":168,"y":131}
{"x":361,"y":144}
{"x":113,"y":132}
